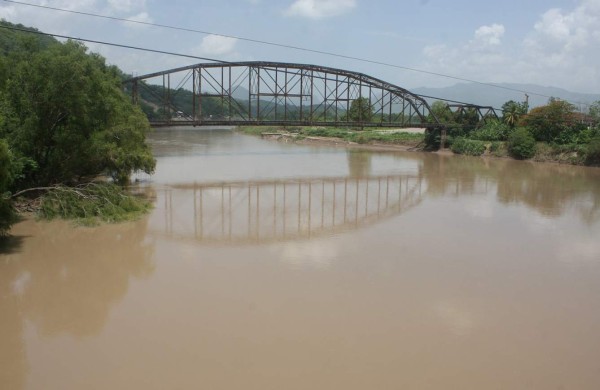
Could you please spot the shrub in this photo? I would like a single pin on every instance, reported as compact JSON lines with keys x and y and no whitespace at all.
{"x":468,"y":147}
{"x":498,"y":149}
{"x":92,"y":203}
{"x":521,"y":144}
{"x":492,"y":131}
{"x":593,"y":152}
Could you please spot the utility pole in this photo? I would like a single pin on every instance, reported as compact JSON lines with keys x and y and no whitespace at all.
{"x":526,"y":103}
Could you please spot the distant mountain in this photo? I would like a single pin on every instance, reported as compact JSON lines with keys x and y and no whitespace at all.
{"x":486,"y":95}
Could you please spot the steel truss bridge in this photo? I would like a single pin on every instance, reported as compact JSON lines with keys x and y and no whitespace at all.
{"x":284,"y":94}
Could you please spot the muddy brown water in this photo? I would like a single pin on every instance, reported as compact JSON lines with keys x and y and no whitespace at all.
{"x":266,"y":265}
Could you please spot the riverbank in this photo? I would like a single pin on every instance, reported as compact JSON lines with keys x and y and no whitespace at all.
{"x":411,"y":140}
{"x":380,"y":140}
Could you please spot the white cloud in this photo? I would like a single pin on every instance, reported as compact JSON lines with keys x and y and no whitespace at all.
{"x":217,"y":45}
{"x":308,"y":254}
{"x":7,"y":13}
{"x":319,"y":9}
{"x":127,"y":5}
{"x":141,"y":17}
{"x":562,"y":48}
{"x":489,"y":35}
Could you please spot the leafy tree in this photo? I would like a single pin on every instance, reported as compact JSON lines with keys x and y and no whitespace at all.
{"x":442,"y":112}
{"x":6,"y":211}
{"x":513,"y":111}
{"x":547,"y":122}
{"x":594,"y":111}
{"x":360,"y":110}
{"x":468,"y":118}
{"x":72,"y":119}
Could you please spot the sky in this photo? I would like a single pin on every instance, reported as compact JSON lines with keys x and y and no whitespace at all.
{"x":545,"y":42}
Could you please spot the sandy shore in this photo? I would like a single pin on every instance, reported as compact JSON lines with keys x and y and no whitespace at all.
{"x":337,"y":142}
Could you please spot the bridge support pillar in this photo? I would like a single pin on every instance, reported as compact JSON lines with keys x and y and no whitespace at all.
{"x":443,"y":137}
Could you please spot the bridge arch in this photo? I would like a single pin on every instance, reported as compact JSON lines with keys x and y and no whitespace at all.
{"x":277,"y":93}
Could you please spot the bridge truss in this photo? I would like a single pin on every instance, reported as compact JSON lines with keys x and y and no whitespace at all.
{"x":274,"y":93}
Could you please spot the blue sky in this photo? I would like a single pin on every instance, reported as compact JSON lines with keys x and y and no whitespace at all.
{"x":550,"y":42}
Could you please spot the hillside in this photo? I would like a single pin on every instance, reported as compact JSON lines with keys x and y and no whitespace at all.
{"x":11,"y":41}
{"x":489,"y":96}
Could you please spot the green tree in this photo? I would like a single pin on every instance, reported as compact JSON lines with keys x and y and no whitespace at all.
{"x":594,"y":112}
{"x":72,"y":119}
{"x":547,"y":122}
{"x":360,"y":110}
{"x":512,"y":112}
{"x":468,"y":118}
{"x":442,"y":112}
{"x":7,"y":214}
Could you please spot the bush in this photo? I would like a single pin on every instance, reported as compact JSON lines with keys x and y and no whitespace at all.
{"x":521,"y":144}
{"x":593,"y":152}
{"x":468,"y":147}
{"x":92,"y":203}
{"x":492,"y":131}
{"x":498,"y":149}
{"x":7,"y":214}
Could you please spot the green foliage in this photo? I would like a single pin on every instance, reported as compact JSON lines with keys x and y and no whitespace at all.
{"x":498,"y":149}
{"x":64,"y":119}
{"x":468,"y":147}
{"x":67,"y":115}
{"x":521,"y":144}
{"x":7,"y":214}
{"x":92,"y":203}
{"x":360,"y":110}
{"x":594,"y":111}
{"x":15,"y":42}
{"x":442,"y":112}
{"x":592,"y":155}
{"x":576,"y":134}
{"x":468,"y":118}
{"x":492,"y":131}
{"x":513,"y":111}
{"x":549,"y":121}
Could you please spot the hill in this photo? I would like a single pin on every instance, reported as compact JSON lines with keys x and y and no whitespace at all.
{"x":486,"y":95}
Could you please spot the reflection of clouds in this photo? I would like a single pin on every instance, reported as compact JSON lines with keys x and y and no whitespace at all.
{"x":481,"y":208}
{"x":578,"y":250}
{"x":456,"y":319}
{"x":19,"y":285}
{"x":539,"y":223}
{"x":314,"y":253}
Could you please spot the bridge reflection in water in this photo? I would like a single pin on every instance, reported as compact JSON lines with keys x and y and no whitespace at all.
{"x":263,"y":211}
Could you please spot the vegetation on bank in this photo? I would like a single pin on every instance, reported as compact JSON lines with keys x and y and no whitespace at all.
{"x":64,"y":120}
{"x":358,"y":136}
{"x":555,"y":132}
{"x":91,"y":203}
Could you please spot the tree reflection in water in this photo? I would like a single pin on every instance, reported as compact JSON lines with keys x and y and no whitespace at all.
{"x":64,"y":281}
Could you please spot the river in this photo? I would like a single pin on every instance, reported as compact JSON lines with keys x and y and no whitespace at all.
{"x":267,"y":265}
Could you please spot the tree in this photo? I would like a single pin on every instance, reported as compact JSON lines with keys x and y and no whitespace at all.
{"x":360,"y":110}
{"x":513,"y":111}
{"x":547,"y":122}
{"x":442,"y":112}
{"x":594,"y":111}
{"x":72,"y":119}
{"x":7,"y":214}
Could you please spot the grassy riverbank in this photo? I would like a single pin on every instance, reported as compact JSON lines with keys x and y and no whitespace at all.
{"x":475,"y":144}
{"x":88,"y":204}
{"x":343,"y":135}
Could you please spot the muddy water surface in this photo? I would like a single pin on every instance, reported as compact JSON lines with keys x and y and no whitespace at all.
{"x":272,"y":266}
